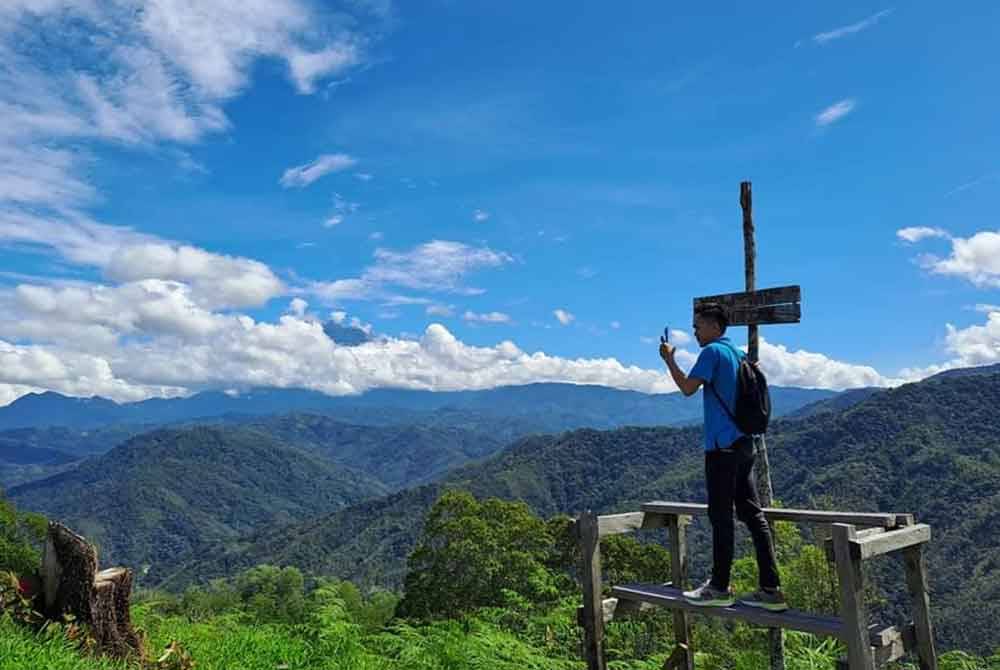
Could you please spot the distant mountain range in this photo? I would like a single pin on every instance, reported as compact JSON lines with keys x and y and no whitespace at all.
{"x":554,"y":407}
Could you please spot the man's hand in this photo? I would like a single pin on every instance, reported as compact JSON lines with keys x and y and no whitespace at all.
{"x":666,"y":350}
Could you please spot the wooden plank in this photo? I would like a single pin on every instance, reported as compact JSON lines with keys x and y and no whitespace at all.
{"x":852,"y":599}
{"x":613,"y":524}
{"x":772,"y":314}
{"x":916,"y":583}
{"x":672,"y":597}
{"x":781,"y":514}
{"x":593,"y":616}
{"x":893,"y":540}
{"x":779,"y":295}
{"x":683,"y":655}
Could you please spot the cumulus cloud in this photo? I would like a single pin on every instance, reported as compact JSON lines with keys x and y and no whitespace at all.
{"x":487,"y":317}
{"x":815,"y":370}
{"x":917,"y":233}
{"x":976,"y":259}
{"x":303,"y":175}
{"x":563,"y":317}
{"x":835,"y":112}
{"x":844,"y":31}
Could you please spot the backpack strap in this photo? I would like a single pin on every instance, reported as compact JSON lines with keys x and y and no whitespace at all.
{"x":711,"y":388}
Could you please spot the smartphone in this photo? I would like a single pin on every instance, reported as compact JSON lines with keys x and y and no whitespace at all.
{"x":666,"y":333}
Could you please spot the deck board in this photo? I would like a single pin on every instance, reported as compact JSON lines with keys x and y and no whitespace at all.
{"x":671,"y":597}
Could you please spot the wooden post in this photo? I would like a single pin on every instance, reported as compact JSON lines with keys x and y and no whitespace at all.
{"x":683,"y":657}
{"x":593,"y":611}
{"x":852,"y":603}
{"x":916,"y":583}
{"x":776,"y":641}
{"x":749,"y":258}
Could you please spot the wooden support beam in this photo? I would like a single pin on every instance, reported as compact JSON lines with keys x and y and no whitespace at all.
{"x":677,"y":530}
{"x":593,"y":615}
{"x":891,"y":643}
{"x":860,"y":534}
{"x":893,"y":540}
{"x":883,"y":520}
{"x":852,"y":603}
{"x":916,"y":583}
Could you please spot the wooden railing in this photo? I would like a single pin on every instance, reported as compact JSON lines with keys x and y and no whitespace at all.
{"x":867,"y":647}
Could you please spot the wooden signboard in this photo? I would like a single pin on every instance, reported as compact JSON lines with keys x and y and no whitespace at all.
{"x":772,"y":305}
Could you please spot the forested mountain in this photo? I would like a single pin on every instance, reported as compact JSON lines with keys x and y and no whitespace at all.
{"x":931,"y":448}
{"x":397,"y":456}
{"x":550,"y":407}
{"x":161,"y":493}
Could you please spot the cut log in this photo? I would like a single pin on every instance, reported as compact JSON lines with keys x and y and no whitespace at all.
{"x":72,"y":584}
{"x":69,"y":572}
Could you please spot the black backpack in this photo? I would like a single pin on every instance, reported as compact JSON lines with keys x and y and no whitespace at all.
{"x":753,"y":400}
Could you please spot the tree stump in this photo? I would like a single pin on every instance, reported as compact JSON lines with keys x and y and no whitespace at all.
{"x":71,"y":583}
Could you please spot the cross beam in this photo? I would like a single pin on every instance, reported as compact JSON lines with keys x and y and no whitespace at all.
{"x":781,"y":304}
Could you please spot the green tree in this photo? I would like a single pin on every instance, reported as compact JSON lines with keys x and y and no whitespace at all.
{"x":471,"y":553}
{"x":21,"y":535}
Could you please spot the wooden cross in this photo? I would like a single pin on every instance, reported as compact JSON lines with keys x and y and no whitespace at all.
{"x":753,"y":308}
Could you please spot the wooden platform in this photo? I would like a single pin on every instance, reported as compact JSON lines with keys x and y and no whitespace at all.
{"x":670,"y":597}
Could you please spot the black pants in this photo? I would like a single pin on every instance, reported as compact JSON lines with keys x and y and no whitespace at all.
{"x":730,"y":480}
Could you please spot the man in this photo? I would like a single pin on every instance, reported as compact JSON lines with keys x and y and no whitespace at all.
{"x":729,"y":459}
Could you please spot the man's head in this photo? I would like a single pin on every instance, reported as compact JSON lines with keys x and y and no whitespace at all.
{"x":710,"y":322}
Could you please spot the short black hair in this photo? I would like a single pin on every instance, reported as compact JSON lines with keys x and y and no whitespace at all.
{"x":715,"y":312}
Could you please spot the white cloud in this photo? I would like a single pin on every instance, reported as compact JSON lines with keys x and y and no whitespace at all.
{"x":970,"y":347}
{"x":679,"y":337}
{"x":333,"y":220}
{"x":303,"y":175}
{"x":564,"y":317}
{"x":307,"y":67}
{"x":976,"y":259}
{"x":488,"y":317}
{"x":480,"y":216}
{"x":364,"y":176}
{"x":216,"y":280}
{"x":814,"y":370}
{"x":987,"y":308}
{"x":616,"y":325}
{"x":917,"y":233}
{"x":377,"y":235}
{"x":835,"y":112}
{"x":438,"y":266}
{"x":844,"y":31}
{"x":298,"y":307}
{"x":439,"y":310}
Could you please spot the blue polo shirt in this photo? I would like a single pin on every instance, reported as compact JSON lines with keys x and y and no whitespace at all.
{"x":717,"y":364}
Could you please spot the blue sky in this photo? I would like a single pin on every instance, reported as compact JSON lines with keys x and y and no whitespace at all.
{"x":499,"y":193}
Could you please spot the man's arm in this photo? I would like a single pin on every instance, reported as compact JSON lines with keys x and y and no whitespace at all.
{"x":687,"y":385}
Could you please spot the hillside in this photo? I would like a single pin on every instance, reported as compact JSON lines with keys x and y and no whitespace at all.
{"x":397,"y":456}
{"x":161,"y":493}
{"x":931,"y":448}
